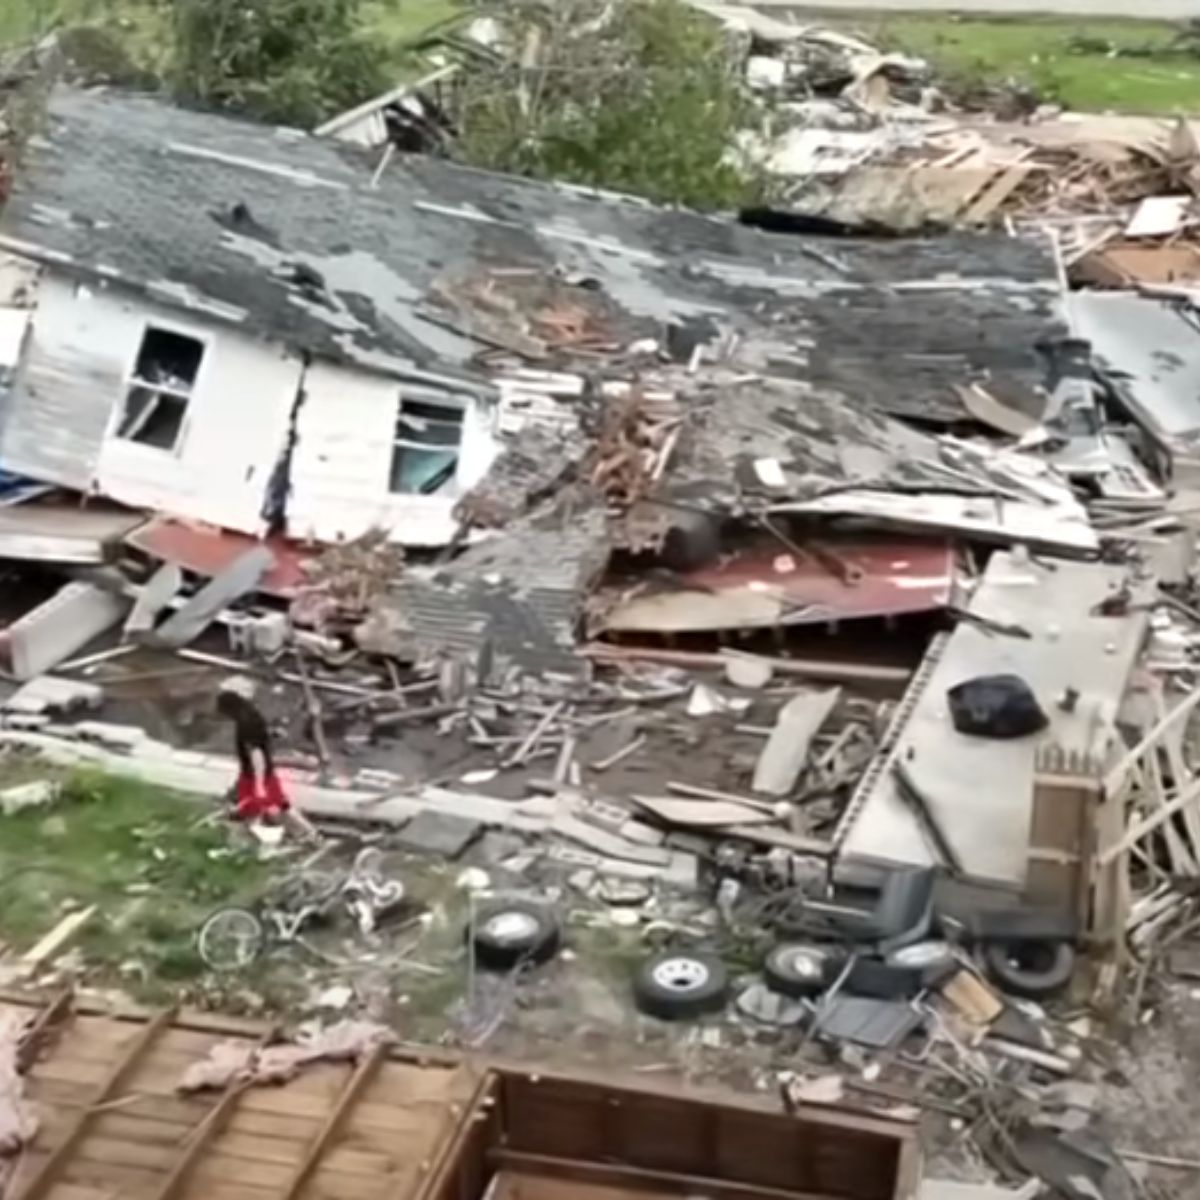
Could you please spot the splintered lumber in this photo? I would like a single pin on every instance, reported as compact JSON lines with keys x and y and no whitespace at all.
{"x":57,"y":938}
{"x":786,"y":752}
{"x":702,"y":813}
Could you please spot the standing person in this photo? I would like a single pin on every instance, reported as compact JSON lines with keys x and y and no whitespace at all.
{"x":259,"y":793}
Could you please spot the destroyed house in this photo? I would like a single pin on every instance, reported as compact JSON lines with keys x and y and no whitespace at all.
{"x":255,"y":327}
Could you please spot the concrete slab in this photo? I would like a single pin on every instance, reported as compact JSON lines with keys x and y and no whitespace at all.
{"x":47,"y":696}
{"x":159,"y":591}
{"x":439,"y":833}
{"x":981,"y":789}
{"x":55,"y":630}
{"x":195,"y":616}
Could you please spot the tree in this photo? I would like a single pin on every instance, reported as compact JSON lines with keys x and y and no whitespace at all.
{"x":292,"y":61}
{"x":641,"y":96}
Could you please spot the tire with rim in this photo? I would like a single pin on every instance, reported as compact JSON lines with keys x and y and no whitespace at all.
{"x":231,"y":939}
{"x":1034,"y":970}
{"x":678,"y":986}
{"x":796,"y":969}
{"x":509,"y":933}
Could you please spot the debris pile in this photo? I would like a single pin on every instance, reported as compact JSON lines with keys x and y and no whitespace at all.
{"x":817,"y":611}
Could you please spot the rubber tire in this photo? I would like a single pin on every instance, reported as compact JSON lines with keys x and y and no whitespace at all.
{"x":503,"y":954}
{"x":678,"y":1004}
{"x":782,"y":977}
{"x":1038,"y":982}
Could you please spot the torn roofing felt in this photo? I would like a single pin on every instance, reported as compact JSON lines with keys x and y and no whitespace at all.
{"x":285,"y":234}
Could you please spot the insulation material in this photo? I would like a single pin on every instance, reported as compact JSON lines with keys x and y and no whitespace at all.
{"x":230,"y":1062}
{"x":18,"y":1124}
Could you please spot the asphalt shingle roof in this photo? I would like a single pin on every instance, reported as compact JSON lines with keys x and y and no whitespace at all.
{"x":285,"y":233}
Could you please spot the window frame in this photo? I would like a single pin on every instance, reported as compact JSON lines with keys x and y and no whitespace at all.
{"x":132,"y":380}
{"x":451,"y":402}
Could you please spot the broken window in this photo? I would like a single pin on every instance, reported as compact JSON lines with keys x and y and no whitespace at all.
{"x":426,"y":446}
{"x":158,"y":394}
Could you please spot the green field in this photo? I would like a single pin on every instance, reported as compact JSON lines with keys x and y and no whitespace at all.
{"x":1089,"y":65}
{"x":1111,"y":65}
{"x":153,"y":864}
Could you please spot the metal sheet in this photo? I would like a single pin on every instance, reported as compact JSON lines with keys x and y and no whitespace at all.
{"x":1149,"y":351}
{"x":769,"y":585}
{"x":207,"y":551}
{"x":980,"y":789}
{"x":62,"y":533}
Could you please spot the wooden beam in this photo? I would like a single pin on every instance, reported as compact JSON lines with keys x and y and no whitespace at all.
{"x":209,"y":1128}
{"x":55,"y":1011}
{"x":641,"y":1179}
{"x":1116,"y":776}
{"x":1149,"y":824}
{"x":50,"y":1169}
{"x":354,"y":1088}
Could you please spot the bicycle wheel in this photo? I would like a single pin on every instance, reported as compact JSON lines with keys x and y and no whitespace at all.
{"x":232,"y":938}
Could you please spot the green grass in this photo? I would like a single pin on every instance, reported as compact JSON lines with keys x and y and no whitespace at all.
{"x":1043,"y":52}
{"x":145,"y":858}
{"x":1084,"y":64}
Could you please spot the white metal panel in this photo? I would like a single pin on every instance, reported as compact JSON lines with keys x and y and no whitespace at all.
{"x":236,"y":425}
{"x":342,"y":460}
{"x":981,"y":789}
{"x":53,"y":418}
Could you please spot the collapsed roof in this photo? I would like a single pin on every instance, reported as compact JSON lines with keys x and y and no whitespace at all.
{"x":301,"y":239}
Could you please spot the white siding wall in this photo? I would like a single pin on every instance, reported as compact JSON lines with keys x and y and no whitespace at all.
{"x":237,"y":420}
{"x":343,"y":456}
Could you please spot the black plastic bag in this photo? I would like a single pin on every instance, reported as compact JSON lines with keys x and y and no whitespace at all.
{"x":995,"y":706}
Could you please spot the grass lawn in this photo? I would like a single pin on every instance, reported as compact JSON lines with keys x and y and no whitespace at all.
{"x":1084,"y":64}
{"x":144,"y":857}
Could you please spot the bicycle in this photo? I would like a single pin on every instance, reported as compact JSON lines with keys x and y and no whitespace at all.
{"x":234,"y":937}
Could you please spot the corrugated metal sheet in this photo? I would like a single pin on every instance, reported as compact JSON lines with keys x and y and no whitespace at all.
{"x":768,"y":585}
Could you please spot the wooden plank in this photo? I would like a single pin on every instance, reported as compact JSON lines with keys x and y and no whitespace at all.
{"x":121,"y":1069}
{"x":1181,"y":776}
{"x":290,"y":1128}
{"x":220,"y":1168}
{"x":283,"y":1102}
{"x":641,"y":1179}
{"x":237,"y":1191}
{"x":202,"y":1136}
{"x":123,"y":1153}
{"x":995,"y":193}
{"x":402,"y":1085}
{"x":38,"y":1034}
{"x":357,"y":1082}
{"x":328,"y":1185}
{"x":1154,"y":789}
{"x":1115,"y":777}
{"x":254,"y":1147}
{"x":114,"y":1181}
{"x":145,"y":1131}
{"x":71,"y":1191}
{"x":1147,"y":825}
{"x":57,"y":938}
